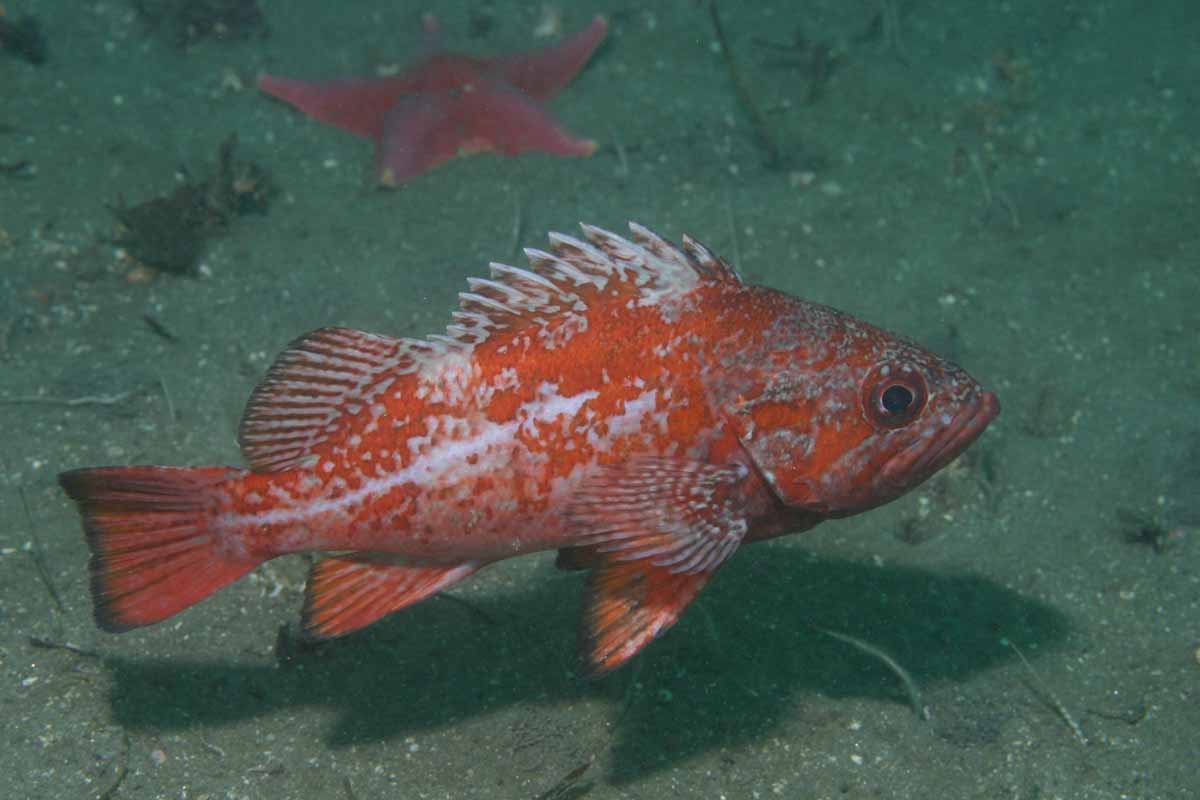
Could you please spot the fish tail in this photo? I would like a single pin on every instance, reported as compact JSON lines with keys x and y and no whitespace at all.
{"x":157,"y":545}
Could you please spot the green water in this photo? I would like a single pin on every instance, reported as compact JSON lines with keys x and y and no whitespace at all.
{"x":1015,"y":184}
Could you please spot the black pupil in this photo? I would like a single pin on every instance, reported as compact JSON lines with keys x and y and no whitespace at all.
{"x":896,"y":399}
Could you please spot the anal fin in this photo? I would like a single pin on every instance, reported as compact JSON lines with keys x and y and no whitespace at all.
{"x":346,"y":593}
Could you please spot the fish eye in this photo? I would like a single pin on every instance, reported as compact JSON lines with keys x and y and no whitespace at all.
{"x":893,"y":398}
{"x":896,"y":399}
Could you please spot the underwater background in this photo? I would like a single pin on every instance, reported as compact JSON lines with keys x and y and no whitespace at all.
{"x":1014,"y":184}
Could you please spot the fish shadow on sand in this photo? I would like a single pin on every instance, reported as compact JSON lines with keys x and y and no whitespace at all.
{"x":743,"y":659}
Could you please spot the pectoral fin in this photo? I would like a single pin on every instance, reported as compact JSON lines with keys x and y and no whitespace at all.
{"x":654,"y":530}
{"x":628,"y":605}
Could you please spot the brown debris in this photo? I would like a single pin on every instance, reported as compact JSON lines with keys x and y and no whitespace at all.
{"x":1148,"y":529}
{"x":169,"y":233}
{"x":758,"y":122}
{"x":23,"y":38}
{"x":18,"y":169}
{"x":190,"y":21}
{"x":815,"y":61}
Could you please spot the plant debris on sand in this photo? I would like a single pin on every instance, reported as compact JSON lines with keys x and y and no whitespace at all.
{"x":190,"y":21}
{"x":169,"y":233}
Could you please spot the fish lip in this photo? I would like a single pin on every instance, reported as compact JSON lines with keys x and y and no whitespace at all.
{"x":913,"y":465}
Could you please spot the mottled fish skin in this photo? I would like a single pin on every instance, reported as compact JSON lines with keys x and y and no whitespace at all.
{"x":628,"y":402}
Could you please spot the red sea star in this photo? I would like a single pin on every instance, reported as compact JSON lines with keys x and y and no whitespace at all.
{"x":447,"y":104}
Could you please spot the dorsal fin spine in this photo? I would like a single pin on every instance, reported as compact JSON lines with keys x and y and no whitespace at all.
{"x":586,"y":256}
{"x":468,"y":299}
{"x":510,"y":295}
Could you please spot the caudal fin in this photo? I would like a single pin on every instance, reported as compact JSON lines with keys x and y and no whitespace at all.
{"x":155,"y":547}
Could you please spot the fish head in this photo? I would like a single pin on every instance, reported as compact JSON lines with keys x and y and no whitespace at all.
{"x":839,"y":416}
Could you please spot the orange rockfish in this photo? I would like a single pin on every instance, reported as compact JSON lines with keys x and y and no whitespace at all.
{"x":629,"y":403}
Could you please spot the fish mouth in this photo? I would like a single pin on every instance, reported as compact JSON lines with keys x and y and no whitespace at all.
{"x":915,"y":463}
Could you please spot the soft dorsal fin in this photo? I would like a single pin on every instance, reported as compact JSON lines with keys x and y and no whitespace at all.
{"x":318,"y":378}
{"x":323,"y":379}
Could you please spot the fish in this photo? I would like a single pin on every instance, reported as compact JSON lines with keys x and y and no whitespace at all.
{"x":628,"y":402}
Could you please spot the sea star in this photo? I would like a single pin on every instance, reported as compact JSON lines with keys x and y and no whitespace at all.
{"x":447,"y":104}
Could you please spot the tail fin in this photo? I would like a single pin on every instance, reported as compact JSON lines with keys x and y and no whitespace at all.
{"x":155,"y":547}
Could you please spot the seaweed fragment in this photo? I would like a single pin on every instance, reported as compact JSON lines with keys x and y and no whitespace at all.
{"x":884,"y":26}
{"x":1148,"y":528}
{"x":187,"y":22}
{"x":815,"y":60}
{"x":18,"y":169}
{"x":23,"y":38}
{"x":758,"y":122}
{"x":481,"y":21}
{"x":239,"y":187}
{"x":569,"y":785}
{"x":160,"y":330}
{"x":169,"y":233}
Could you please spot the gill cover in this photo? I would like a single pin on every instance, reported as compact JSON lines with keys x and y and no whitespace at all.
{"x":776,"y":434}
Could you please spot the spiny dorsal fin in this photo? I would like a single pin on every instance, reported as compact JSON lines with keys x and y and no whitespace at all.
{"x":561,"y":281}
{"x":707,"y":263}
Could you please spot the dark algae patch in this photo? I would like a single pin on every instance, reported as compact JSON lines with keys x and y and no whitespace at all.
{"x":187,"y":22}
{"x":22,"y":37}
{"x":169,"y":233}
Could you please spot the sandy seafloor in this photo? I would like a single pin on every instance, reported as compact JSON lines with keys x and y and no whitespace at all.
{"x":1013,"y":183}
